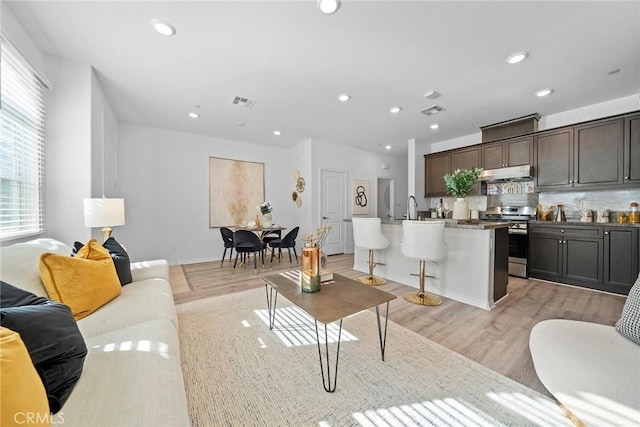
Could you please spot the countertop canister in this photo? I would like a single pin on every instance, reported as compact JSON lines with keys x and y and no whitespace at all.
{"x":634,"y":213}
{"x":586,"y":215}
{"x":602,"y":216}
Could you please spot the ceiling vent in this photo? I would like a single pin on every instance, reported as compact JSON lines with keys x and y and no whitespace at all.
{"x":432,"y":94}
{"x":243,"y":102}
{"x":430,"y":111}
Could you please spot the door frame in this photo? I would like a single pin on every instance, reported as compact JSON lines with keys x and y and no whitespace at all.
{"x":392,"y":195}
{"x":345,"y":201}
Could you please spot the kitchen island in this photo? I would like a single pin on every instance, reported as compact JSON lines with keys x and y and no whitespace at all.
{"x":475,"y":271}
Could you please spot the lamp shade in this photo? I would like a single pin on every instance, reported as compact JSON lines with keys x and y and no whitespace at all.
{"x":103,"y":212}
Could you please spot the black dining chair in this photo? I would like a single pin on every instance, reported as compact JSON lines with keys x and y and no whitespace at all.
{"x":227,"y":239}
{"x":270,"y":235}
{"x":288,"y":242}
{"x":247,"y":242}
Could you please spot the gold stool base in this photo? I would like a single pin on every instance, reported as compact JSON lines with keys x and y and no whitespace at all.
{"x":422,"y":299}
{"x":372,"y":280}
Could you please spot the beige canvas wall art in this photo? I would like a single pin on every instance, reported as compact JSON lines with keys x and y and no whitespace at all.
{"x":236,"y":188}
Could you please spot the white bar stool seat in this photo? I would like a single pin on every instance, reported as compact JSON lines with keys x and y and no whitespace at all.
{"x":424,"y":241}
{"x":367,"y":234}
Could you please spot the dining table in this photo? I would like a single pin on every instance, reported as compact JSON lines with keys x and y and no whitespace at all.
{"x":257,"y":229}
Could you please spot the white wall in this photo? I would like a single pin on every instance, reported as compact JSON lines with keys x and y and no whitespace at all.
{"x":68,"y":149}
{"x":77,"y":111}
{"x":300,"y":160}
{"x":358,"y":164}
{"x":13,"y":30}
{"x":164,"y":177}
{"x":104,"y":138}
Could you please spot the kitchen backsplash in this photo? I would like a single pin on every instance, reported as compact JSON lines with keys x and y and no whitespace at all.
{"x":573,"y":202}
{"x":510,"y":187}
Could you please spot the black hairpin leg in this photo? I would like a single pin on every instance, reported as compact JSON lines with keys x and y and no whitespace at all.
{"x":326,"y":382}
{"x":383,"y":337}
{"x":272,"y":298}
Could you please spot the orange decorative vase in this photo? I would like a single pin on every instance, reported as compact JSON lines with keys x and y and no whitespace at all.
{"x":310,"y":269}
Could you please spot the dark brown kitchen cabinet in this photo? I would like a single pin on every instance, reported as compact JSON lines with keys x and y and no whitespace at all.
{"x":632,"y":150}
{"x":435,"y":166}
{"x":466,"y":158}
{"x":620,"y":258}
{"x":553,"y":159}
{"x":585,"y":156}
{"x":567,"y":254}
{"x":439,"y":164}
{"x":502,"y":154}
{"x":545,"y":256}
{"x":598,"y":151}
{"x":593,"y":256}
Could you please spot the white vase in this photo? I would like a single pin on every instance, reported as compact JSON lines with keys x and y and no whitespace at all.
{"x":267,"y":222}
{"x":460,"y":209}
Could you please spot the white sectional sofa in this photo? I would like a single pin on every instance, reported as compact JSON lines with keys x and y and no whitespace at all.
{"x":590,"y":368}
{"x":132,"y":373}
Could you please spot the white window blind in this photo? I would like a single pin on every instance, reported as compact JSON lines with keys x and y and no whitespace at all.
{"x":22,"y":120}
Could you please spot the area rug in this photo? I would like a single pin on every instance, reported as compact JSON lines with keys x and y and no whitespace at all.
{"x":237,"y":372}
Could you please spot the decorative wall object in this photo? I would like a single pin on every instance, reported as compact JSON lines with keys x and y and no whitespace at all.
{"x":300,"y":186}
{"x":360,"y":197}
{"x":235,"y":189}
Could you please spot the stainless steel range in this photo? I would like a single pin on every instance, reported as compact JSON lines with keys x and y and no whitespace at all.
{"x":518,"y":216}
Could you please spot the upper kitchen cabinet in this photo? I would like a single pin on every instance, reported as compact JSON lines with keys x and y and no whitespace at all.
{"x":435,"y":167}
{"x":439,"y":164}
{"x":584,"y":156}
{"x":553,"y":159}
{"x":598,"y":150}
{"x":516,"y":152}
{"x":632,"y":150}
{"x":466,"y":158}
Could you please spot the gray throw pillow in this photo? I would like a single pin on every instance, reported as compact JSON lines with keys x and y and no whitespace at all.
{"x":629,"y":324}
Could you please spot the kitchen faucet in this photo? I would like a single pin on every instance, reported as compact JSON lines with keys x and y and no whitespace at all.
{"x":415,"y":205}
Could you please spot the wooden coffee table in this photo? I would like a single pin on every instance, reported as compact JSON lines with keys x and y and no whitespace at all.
{"x":336,"y":300}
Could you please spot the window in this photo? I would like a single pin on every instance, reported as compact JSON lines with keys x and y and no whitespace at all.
{"x":21,"y":147}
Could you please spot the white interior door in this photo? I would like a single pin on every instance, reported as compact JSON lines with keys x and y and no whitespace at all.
{"x":333,"y":210}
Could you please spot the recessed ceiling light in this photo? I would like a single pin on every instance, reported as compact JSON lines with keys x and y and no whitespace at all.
{"x":434,"y":126}
{"x":193,"y":115}
{"x":514,"y":58}
{"x":329,"y":6}
{"x":387,"y":147}
{"x":395,"y":110}
{"x":277,"y":132}
{"x":544,"y":92}
{"x":344,"y":97}
{"x":163,"y":27}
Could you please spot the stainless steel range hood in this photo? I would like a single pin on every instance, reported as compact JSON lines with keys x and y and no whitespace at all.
{"x":510,"y":173}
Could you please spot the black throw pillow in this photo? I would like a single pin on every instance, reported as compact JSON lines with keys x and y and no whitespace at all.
{"x":118,"y":254}
{"x":52,"y":337}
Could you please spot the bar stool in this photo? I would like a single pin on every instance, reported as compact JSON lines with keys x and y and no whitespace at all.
{"x":424,"y":241}
{"x":367,"y":234}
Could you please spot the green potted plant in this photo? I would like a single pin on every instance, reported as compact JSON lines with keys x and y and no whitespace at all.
{"x":459,"y":184}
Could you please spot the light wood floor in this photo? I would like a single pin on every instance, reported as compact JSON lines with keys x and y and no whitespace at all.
{"x":497,"y":339}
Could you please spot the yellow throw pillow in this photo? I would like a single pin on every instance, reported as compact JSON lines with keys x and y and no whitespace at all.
{"x":85,"y":282}
{"x":24,"y":399}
